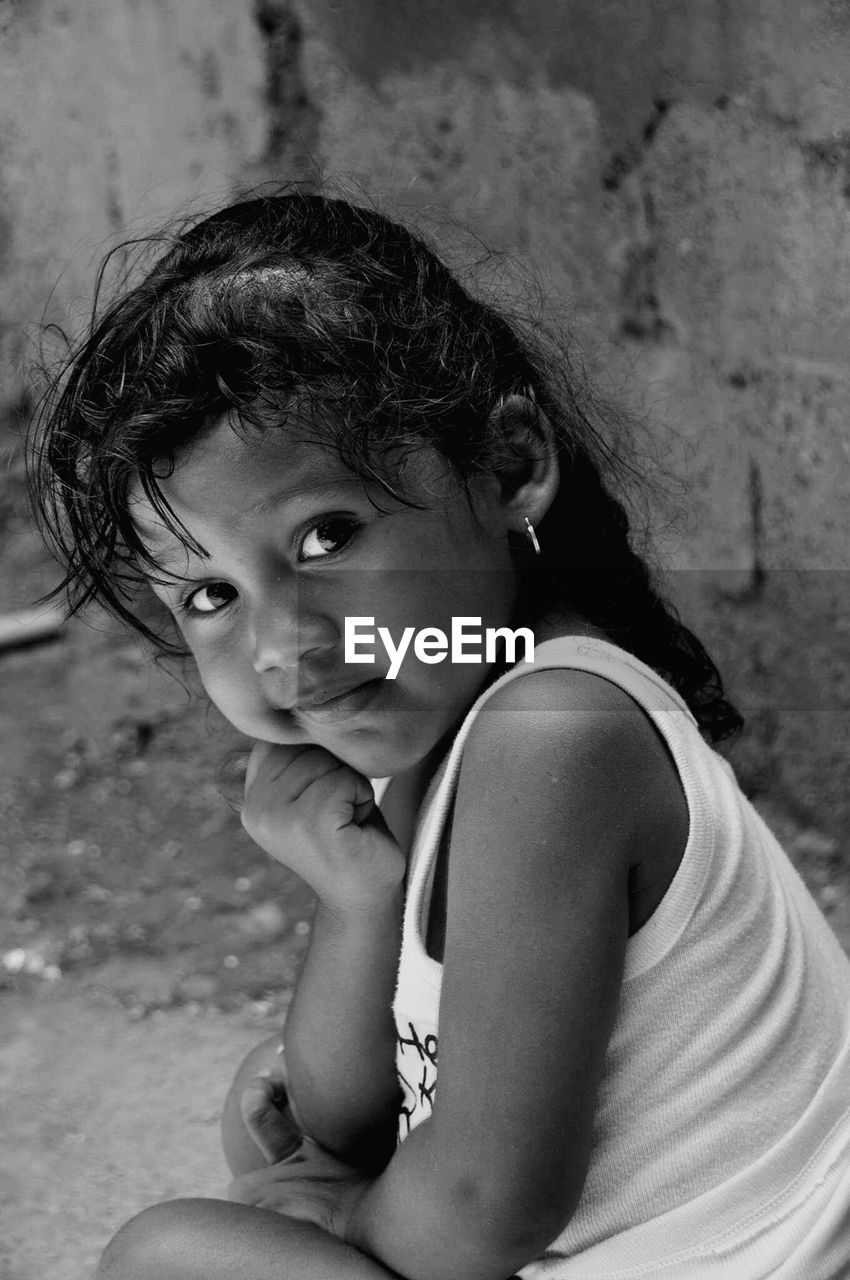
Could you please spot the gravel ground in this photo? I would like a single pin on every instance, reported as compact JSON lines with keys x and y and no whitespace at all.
{"x":102,"y":1116}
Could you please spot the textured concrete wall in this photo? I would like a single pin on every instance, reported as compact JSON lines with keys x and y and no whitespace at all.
{"x":678,"y":172}
{"x":115,"y":112}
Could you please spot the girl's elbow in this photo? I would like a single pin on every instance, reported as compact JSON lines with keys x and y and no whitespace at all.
{"x":521,"y":1241}
{"x":510,"y":1231}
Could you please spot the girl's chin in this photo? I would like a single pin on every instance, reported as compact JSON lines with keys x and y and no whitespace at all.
{"x":372,"y":762}
{"x":372,"y":748}
{"x":368,"y":752}
{"x":376,"y":755}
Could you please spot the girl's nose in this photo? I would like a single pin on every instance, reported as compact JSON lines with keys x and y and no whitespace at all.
{"x":281,"y":635}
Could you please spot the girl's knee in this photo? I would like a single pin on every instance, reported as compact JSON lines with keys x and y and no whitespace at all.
{"x":265,"y":1056}
{"x":158,"y":1244}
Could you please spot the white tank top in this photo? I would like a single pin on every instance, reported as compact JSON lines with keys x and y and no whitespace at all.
{"x":721,"y":1140}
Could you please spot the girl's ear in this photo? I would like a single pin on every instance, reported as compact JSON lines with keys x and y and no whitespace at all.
{"x":526,"y":471}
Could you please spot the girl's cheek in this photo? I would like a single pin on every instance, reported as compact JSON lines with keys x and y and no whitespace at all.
{"x":208,"y":669}
{"x":226,"y":680}
{"x":212,"y":672}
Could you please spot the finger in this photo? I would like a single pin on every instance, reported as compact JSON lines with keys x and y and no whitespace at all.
{"x":365,"y":804}
{"x":363,"y":798}
{"x":286,"y":772}
{"x":241,"y":1193}
{"x":252,"y":1188}
{"x":374,"y":818}
{"x":273,"y":1081}
{"x":276,"y":1205}
{"x":297,"y":773}
{"x":259,"y":753}
{"x":310,"y":1164}
{"x":269,"y":1121}
{"x":334,"y":795}
{"x":269,"y":761}
{"x":247,"y":1182}
{"x":304,"y":1209}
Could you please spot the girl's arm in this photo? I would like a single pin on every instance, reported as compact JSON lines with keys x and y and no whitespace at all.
{"x":559,"y":783}
{"x":318,"y":816}
{"x":339,"y":1036}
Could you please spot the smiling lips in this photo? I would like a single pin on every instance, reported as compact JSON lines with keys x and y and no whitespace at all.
{"x":340,"y":706}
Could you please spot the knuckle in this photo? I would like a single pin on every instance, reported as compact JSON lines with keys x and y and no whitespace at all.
{"x":257,"y":824}
{"x":329,"y":785}
{"x":247,"y":818}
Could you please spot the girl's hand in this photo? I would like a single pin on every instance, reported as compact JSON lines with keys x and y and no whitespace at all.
{"x":269,"y":1117}
{"x":313,"y":1186}
{"x":318,"y":816}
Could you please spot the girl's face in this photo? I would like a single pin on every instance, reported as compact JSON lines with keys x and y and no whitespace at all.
{"x":294,"y":546}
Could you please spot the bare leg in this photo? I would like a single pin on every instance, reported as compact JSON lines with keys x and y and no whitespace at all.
{"x":218,"y":1240}
{"x":206,"y":1239}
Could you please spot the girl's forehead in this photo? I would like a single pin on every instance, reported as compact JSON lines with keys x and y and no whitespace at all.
{"x":246,"y":468}
{"x":237,"y":472}
{"x":229,"y":455}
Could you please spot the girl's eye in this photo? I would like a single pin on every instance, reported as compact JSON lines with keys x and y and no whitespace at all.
{"x":327,"y":537}
{"x":210,"y":598}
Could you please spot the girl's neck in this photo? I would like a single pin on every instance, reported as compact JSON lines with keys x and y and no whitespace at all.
{"x":563,"y":623}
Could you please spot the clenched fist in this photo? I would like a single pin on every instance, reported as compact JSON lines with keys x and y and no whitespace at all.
{"x":318,"y":816}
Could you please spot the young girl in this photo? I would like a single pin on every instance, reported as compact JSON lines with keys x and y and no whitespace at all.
{"x":564,"y":961}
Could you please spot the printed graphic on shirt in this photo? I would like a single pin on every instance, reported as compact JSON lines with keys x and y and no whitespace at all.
{"x":417,"y":1073}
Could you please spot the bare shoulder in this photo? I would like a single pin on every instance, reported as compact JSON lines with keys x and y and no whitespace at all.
{"x":556,"y":708}
{"x":563,"y":689}
{"x":581,"y":745}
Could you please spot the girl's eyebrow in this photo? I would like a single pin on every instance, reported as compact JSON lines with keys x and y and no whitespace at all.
{"x":315,"y":489}
{"x":169,"y":561}
{"x":312,"y":489}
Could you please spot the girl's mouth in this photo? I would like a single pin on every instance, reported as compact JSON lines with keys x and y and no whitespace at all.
{"x":343,"y":706}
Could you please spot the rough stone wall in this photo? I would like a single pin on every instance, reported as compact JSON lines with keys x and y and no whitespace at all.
{"x":677,"y":172}
{"x":114,"y":114}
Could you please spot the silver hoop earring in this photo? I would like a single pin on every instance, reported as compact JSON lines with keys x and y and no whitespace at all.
{"x":531,"y":535}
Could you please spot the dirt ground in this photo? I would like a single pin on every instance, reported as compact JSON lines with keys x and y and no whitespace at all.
{"x":145,"y":943}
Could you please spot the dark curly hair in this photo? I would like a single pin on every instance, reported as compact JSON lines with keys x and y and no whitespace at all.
{"x":298,"y":300}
